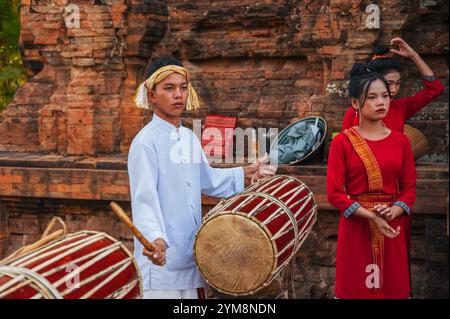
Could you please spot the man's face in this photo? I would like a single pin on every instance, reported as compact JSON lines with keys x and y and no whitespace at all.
{"x":169,"y":97}
{"x":394,"y":80}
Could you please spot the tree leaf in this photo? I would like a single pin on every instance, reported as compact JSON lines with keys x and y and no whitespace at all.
{"x":11,"y":72}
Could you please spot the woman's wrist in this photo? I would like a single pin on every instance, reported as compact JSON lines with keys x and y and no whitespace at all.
{"x":371,"y":215}
{"x":397,"y":210}
{"x":414,"y":56}
{"x":424,"y":69}
{"x":429,"y":78}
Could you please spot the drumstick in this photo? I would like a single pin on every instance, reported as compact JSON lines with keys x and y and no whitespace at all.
{"x":124,"y":218}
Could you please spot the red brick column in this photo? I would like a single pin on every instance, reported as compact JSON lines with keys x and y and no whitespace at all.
{"x":81,"y":78}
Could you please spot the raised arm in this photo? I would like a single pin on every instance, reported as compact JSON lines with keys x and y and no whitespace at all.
{"x":433,"y":87}
{"x":406,"y":51}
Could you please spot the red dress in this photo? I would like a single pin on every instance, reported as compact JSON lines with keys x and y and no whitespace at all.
{"x":347,"y":177}
{"x":402,"y":109}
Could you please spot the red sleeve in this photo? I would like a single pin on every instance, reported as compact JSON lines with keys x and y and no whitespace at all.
{"x":349,"y":116}
{"x":336,"y":173}
{"x":413,"y":104}
{"x":407,"y":178}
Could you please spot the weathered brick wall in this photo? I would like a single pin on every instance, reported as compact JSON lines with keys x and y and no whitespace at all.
{"x":272,"y":62}
{"x":267,"y":62}
{"x":83,"y":77}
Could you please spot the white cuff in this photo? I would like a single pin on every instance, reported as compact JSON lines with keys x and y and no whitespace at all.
{"x":155,"y":235}
{"x":238,"y":174}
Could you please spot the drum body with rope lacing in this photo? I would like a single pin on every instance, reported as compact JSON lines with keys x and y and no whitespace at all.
{"x":246,"y":240}
{"x":81,"y":265}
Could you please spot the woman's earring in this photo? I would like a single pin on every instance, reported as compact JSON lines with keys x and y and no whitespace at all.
{"x":356,"y":118}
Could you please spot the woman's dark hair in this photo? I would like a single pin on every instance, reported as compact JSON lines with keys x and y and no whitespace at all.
{"x":381,"y":63}
{"x":361,"y":77}
{"x":161,"y":62}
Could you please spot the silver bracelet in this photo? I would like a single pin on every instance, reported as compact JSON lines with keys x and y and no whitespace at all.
{"x":429,"y":78}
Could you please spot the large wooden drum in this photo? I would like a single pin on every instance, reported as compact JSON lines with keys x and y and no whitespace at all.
{"x":246,"y":240}
{"x":82,"y":265}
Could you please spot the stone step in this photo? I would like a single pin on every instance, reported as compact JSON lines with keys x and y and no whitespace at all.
{"x":106,"y":178}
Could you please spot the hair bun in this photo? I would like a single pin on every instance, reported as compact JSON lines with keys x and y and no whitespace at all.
{"x":380,"y":50}
{"x":359,"y":69}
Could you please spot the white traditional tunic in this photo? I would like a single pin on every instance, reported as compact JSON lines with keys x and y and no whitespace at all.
{"x":168,"y":172}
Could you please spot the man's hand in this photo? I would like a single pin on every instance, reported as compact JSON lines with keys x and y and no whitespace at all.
{"x":259,"y":168}
{"x":158,"y":256}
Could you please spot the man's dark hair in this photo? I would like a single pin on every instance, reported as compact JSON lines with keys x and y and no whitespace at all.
{"x":161,"y":62}
{"x":382,"y":64}
{"x":361,"y":77}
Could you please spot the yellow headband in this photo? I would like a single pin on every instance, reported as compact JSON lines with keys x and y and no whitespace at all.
{"x":141,"y":99}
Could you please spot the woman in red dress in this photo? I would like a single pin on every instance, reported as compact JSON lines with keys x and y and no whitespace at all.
{"x":401,"y":109}
{"x":372,"y":181}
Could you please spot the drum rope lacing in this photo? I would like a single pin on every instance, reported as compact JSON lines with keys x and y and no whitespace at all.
{"x":18,"y":273}
{"x":45,"y":238}
{"x":23,"y":277}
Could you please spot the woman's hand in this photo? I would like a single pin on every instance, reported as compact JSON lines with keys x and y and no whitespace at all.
{"x":404,"y":49}
{"x":385,"y":229}
{"x":388,"y":212}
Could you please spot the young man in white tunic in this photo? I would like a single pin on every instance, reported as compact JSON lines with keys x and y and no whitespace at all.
{"x":168,"y":172}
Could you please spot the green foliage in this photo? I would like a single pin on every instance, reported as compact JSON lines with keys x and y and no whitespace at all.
{"x":12,"y":73}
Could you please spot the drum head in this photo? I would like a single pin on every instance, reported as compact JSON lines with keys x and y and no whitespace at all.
{"x":234,"y":254}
